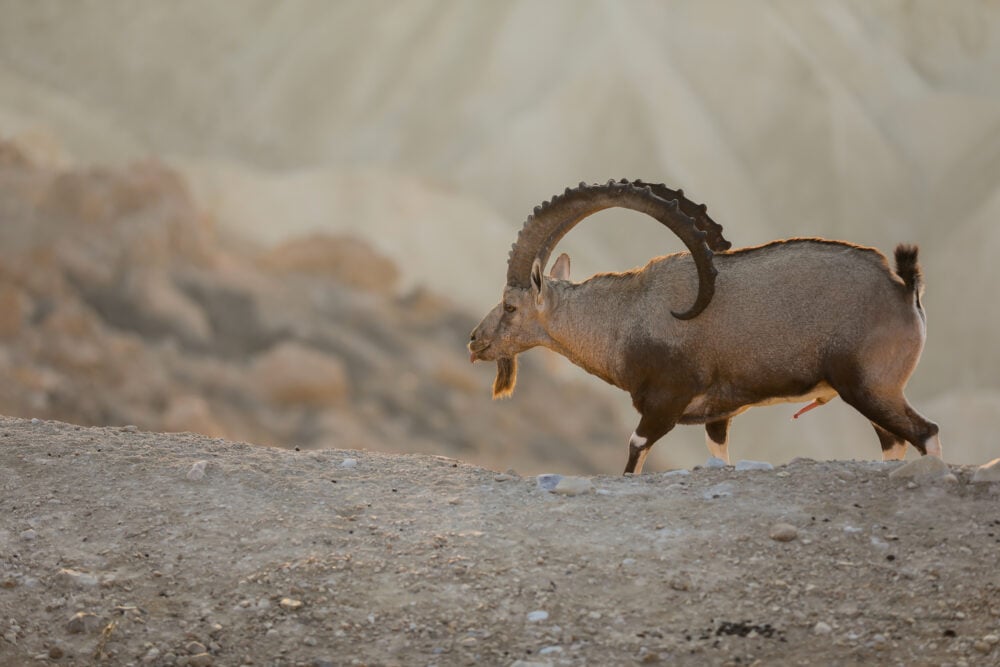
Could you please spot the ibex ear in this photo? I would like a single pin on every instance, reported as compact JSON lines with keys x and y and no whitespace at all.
{"x":560,"y":270}
{"x":537,"y":282}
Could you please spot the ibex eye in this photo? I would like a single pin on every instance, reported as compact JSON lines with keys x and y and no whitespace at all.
{"x":509,"y":308}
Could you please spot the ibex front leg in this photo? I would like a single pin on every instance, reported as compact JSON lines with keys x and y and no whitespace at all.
{"x":657,"y":420}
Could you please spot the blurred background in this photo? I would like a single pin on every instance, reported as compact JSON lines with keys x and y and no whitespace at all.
{"x":278,"y":222}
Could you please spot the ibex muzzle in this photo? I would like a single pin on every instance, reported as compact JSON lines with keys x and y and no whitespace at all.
{"x":698,"y":337}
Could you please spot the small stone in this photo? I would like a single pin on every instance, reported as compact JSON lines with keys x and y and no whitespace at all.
{"x":573,"y":486}
{"x":715,"y":462}
{"x":290,"y":604}
{"x":982,"y":646}
{"x":988,"y":472}
{"x":69,"y":577}
{"x":29,"y":535}
{"x":10,"y":637}
{"x":502,"y":477}
{"x":992,"y":639}
{"x":547,"y":481}
{"x":468,"y":642}
{"x":349,"y":463}
{"x":36,"y":420}
{"x":83,"y":623}
{"x":195,"y":647}
{"x":537,"y":616}
{"x":924,"y":469}
{"x":782,"y":473}
{"x":530,"y":663}
{"x":550,"y":650}
{"x":680,"y":472}
{"x":56,"y":652}
{"x":130,"y":428}
{"x":197,"y":471}
{"x":753,"y":465}
{"x":152,"y":655}
{"x":200,"y":660}
{"x":783,"y":532}
{"x":822,"y":628}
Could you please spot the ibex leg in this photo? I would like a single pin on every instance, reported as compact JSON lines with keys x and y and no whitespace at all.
{"x":717,"y":439}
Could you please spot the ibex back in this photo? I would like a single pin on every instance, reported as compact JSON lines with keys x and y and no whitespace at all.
{"x":793,"y":320}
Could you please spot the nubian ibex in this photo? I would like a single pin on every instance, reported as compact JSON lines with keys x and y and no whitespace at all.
{"x":803,"y":319}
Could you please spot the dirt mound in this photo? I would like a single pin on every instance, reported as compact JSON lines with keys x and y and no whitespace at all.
{"x":120,"y":305}
{"x":150,"y":549}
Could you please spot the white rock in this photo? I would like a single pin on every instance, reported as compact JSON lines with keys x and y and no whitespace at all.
{"x":988,"y":472}
{"x":349,"y":463}
{"x":538,"y":616}
{"x":754,"y":465}
{"x":573,"y":486}
{"x":924,"y":469}
{"x":83,"y":623}
{"x":29,"y":534}
{"x":67,"y":576}
{"x":290,"y":604}
{"x":715,"y":462}
{"x":549,"y":650}
{"x":548,"y":481}
{"x":197,"y":471}
{"x":822,"y":628}
{"x":628,"y":562}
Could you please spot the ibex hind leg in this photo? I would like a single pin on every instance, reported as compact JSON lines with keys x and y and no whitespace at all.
{"x":717,"y":439}
{"x":893,"y":447}
{"x":658,"y":418}
{"x":893,"y":414}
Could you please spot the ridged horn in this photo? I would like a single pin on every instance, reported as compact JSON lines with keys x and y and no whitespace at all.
{"x":699,"y":212}
{"x":551,"y":221}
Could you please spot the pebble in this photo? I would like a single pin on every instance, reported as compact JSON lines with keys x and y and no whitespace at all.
{"x":628,"y":562}
{"x":69,"y":577}
{"x":195,"y":647}
{"x":502,"y":477}
{"x":130,"y":428}
{"x":56,"y":652}
{"x":549,"y":650}
{"x":753,"y":465}
{"x":783,"y":532}
{"x":715,"y":462}
{"x":573,"y":486}
{"x":988,"y":472}
{"x":681,"y":472}
{"x":822,"y":628}
{"x":151,"y":656}
{"x":992,"y":639}
{"x":548,"y":481}
{"x":10,"y":637}
{"x":289,"y":603}
{"x":530,"y":663}
{"x":349,"y":463}
{"x":29,"y":534}
{"x":200,"y":660}
{"x":197,"y":471}
{"x":924,"y":469}
{"x":83,"y":623}
{"x":468,"y":642}
{"x":538,"y":616}
{"x":982,"y":646}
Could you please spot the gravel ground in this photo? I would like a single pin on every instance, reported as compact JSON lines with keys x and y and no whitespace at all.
{"x":119,"y":547}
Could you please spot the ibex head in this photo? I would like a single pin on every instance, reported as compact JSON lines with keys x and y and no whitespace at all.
{"x":518,"y":322}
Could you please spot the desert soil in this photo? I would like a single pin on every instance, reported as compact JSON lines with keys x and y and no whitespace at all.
{"x":112,"y":551}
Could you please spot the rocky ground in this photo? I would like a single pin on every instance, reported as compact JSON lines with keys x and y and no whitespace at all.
{"x":125,"y":547}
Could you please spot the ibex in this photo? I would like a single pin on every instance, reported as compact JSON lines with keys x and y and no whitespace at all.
{"x":803,"y":319}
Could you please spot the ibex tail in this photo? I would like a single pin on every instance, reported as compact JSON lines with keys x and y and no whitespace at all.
{"x":908,"y":268}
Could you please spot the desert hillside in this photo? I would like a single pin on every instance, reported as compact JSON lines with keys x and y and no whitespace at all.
{"x":429,"y":129}
{"x":123,"y":547}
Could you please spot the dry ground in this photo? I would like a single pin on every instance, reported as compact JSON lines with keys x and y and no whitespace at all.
{"x":277,"y":557}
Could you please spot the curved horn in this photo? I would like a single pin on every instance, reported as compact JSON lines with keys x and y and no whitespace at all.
{"x":715,"y":240}
{"x":553,"y":220}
